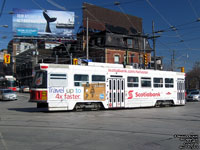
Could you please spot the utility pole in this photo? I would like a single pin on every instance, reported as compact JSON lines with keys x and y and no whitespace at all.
{"x":36,"y":53}
{"x":172,"y":61}
{"x":144,"y":53}
{"x":87,"y":48}
{"x":56,"y":58}
{"x":154,"y":46}
{"x":71,"y":58}
{"x":140,"y":53}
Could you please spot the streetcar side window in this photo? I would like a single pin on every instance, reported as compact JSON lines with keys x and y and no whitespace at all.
{"x":58,"y":80}
{"x":145,"y":82}
{"x":169,"y":82}
{"x":79,"y":79}
{"x":98,"y":78}
{"x":158,"y":82}
{"x":132,"y":82}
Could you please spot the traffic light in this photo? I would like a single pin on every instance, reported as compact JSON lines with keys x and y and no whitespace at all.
{"x":182,"y":69}
{"x":145,"y":59}
{"x":7,"y":58}
{"x":75,"y":61}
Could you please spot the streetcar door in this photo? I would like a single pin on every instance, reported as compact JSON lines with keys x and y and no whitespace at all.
{"x":181,"y":91}
{"x":116,"y":92}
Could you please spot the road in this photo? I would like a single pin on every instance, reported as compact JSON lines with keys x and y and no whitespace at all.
{"x":24,"y":127}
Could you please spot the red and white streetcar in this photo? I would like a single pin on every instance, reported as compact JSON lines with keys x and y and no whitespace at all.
{"x":108,"y":86}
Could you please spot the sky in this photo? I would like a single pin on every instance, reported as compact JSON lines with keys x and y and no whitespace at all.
{"x":179,"y":21}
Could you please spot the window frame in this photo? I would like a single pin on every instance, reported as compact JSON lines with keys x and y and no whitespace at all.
{"x":95,"y":75}
{"x":117,"y":56}
{"x":145,"y":80}
{"x":169,"y":84}
{"x":80,"y":82}
{"x":133,"y":82}
{"x":132,"y":58}
{"x":136,"y":43}
{"x":60,"y":78}
{"x":159,"y":84}
{"x":130,"y":43}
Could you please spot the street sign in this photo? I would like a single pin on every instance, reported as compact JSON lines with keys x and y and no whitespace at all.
{"x":7,"y":58}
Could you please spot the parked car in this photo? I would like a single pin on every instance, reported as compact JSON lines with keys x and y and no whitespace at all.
{"x":191,"y":90}
{"x":17,"y":89}
{"x":24,"y":89}
{"x":7,"y":94}
{"x":193,"y":96}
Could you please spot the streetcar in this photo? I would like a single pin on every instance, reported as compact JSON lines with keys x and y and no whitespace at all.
{"x":8,"y":82}
{"x":58,"y":87}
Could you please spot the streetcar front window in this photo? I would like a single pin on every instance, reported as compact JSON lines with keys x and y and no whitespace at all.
{"x":40,"y":80}
{"x":11,"y":83}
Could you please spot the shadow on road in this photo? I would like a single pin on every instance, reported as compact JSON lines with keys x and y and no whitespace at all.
{"x":30,"y":109}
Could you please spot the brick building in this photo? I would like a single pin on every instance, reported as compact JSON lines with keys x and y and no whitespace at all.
{"x":114,"y":39}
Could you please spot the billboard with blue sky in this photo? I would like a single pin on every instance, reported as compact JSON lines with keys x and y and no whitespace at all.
{"x":33,"y":22}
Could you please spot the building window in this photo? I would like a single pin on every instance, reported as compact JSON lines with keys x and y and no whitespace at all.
{"x":136,"y":43}
{"x":98,"y":41}
{"x":130,"y":43}
{"x":116,"y":59}
{"x":132,"y":56}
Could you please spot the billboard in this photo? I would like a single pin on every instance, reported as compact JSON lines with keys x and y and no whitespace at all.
{"x":35,"y":22}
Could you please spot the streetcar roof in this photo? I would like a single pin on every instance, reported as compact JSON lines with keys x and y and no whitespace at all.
{"x":44,"y":66}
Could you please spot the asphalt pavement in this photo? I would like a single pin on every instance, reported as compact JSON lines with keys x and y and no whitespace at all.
{"x":24,"y":127}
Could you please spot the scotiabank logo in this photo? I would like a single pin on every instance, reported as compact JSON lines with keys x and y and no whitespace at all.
{"x":143,"y":94}
{"x":168,"y":93}
{"x":147,"y":94}
{"x":130,"y":94}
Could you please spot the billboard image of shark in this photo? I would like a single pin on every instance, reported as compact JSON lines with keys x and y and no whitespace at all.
{"x":43,"y":23}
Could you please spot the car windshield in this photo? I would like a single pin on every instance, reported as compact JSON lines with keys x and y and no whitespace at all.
{"x":195,"y":92}
{"x":7,"y":91}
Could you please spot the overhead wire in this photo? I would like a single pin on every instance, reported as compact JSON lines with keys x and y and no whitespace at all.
{"x":168,"y":23}
{"x":56,"y":5}
{"x":121,"y":4}
{"x":38,"y":5}
{"x":194,"y":10}
{"x":102,"y":23}
{"x":2,"y":7}
{"x":123,"y":12}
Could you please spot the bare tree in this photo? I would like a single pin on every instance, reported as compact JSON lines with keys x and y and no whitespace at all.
{"x":193,"y":77}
